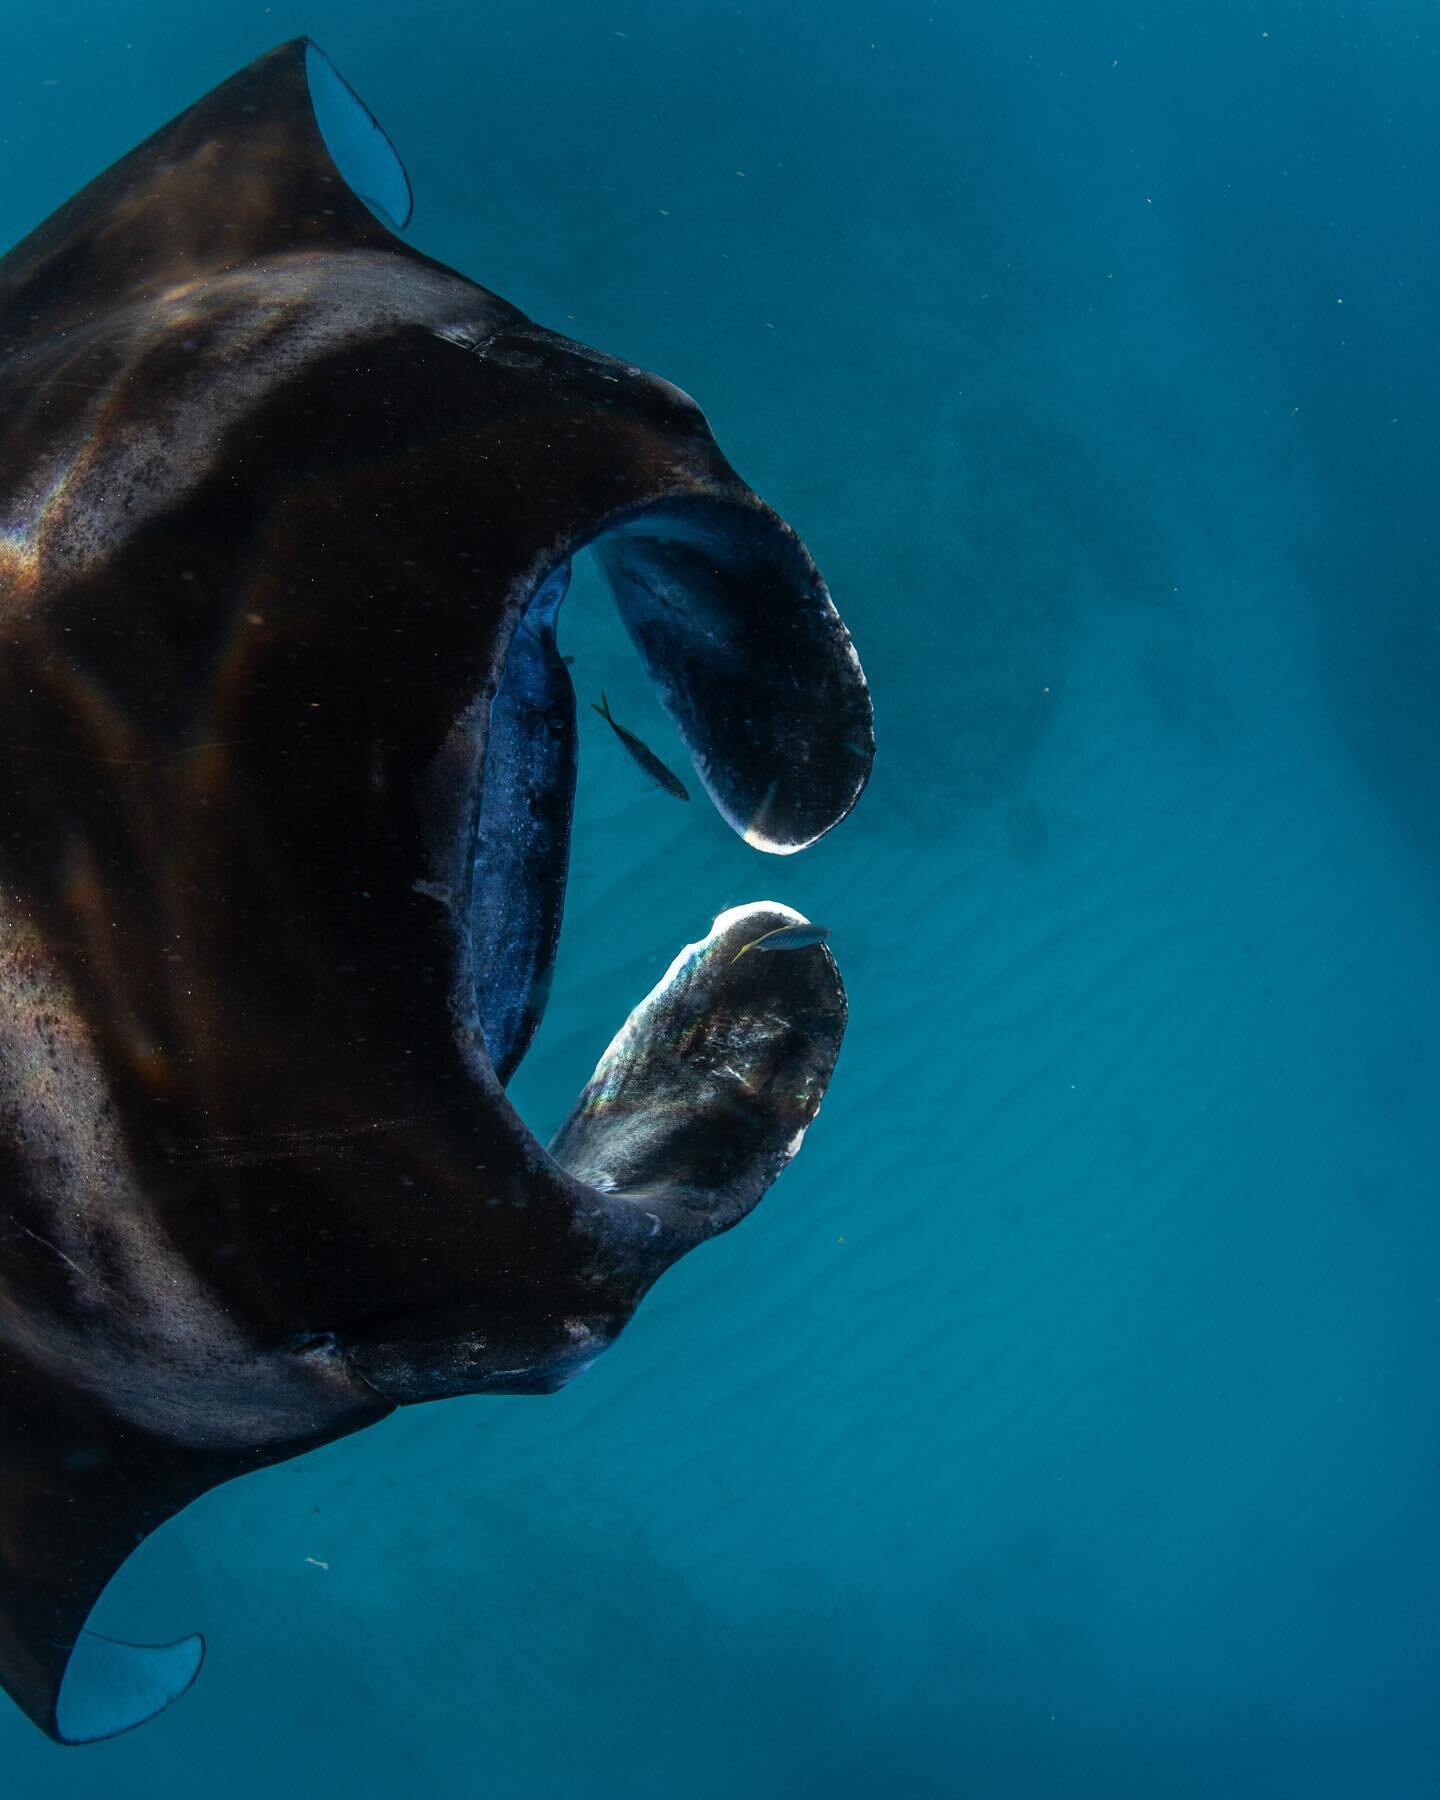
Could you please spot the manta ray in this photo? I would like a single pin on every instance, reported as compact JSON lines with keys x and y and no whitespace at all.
{"x":287,"y":767}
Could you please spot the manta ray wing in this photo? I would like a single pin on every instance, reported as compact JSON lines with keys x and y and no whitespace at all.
{"x":286,"y":766}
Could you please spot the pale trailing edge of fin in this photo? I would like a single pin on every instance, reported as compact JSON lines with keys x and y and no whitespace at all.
{"x":357,"y":144}
{"x":110,"y":1686}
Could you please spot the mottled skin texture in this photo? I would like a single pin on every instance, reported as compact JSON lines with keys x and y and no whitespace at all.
{"x":274,"y":492}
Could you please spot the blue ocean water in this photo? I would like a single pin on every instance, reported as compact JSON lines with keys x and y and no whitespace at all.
{"x":1064,"y":1423}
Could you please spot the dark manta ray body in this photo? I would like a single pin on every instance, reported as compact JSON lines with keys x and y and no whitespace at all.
{"x":287,"y":756}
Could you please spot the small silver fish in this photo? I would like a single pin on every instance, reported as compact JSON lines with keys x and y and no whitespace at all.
{"x":642,"y":753}
{"x":785,"y":937}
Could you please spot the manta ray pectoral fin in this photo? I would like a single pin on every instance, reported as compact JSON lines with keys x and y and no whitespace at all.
{"x":110,"y":1686}
{"x":282,"y":158}
{"x":77,"y":1492}
{"x":356,"y":141}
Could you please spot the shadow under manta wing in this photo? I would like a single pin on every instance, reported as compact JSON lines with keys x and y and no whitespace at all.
{"x":287,"y":765}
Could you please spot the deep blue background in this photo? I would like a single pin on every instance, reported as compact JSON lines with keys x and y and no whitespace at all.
{"x":1065,"y":1422}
